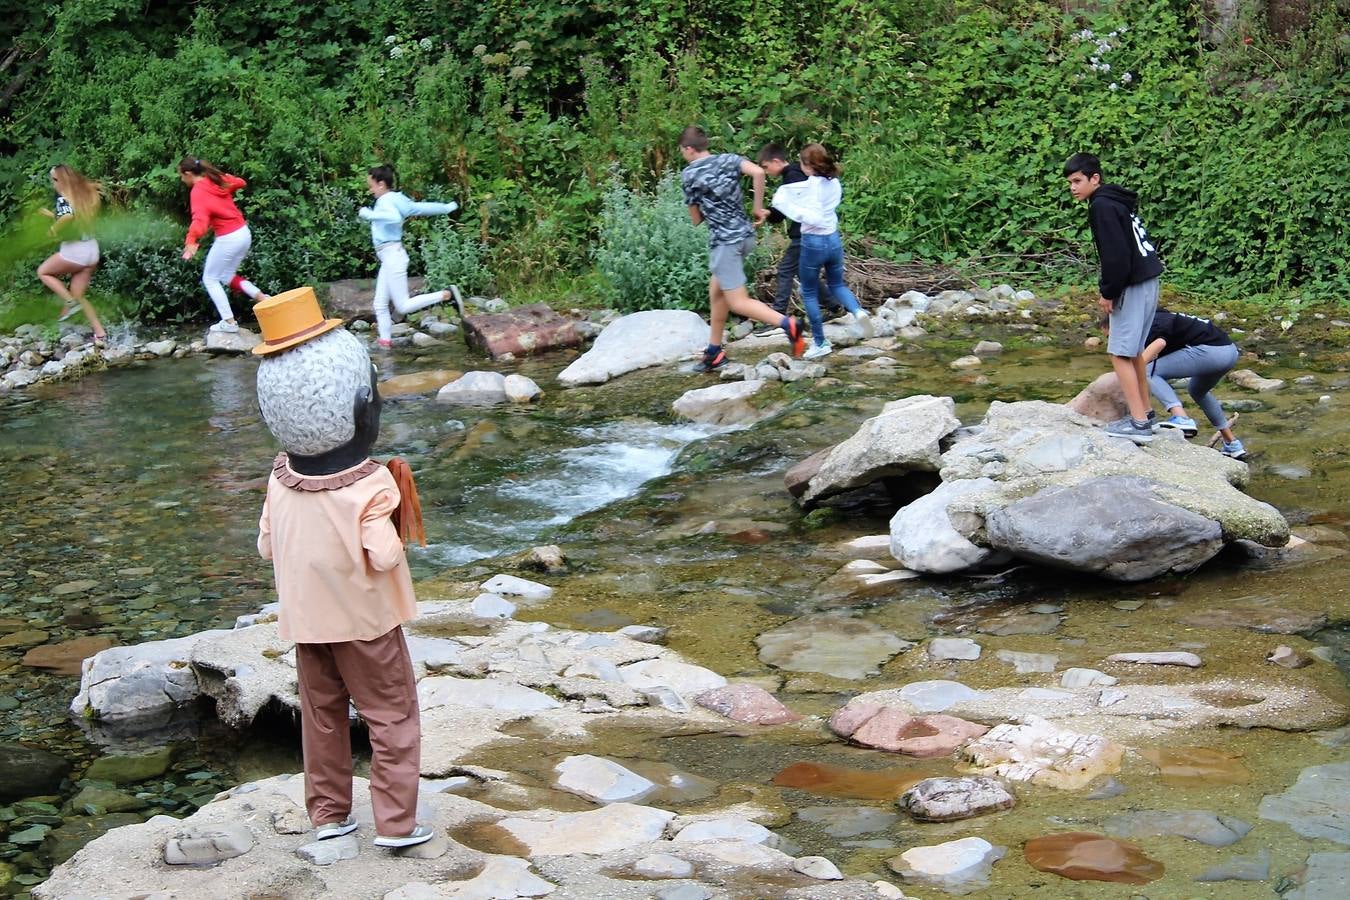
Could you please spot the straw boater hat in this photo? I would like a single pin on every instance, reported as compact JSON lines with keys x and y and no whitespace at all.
{"x":290,"y":318}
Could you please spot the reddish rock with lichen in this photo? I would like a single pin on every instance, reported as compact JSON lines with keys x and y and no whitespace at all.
{"x":522,"y":331}
{"x":894,"y":730}
{"x":746,"y":703}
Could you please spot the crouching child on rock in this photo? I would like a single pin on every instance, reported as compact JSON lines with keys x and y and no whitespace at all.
{"x":333,"y":524}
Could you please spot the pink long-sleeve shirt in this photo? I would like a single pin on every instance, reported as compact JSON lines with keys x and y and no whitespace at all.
{"x":341,"y":573}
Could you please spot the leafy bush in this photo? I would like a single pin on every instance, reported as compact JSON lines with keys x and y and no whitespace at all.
{"x":142,"y":264}
{"x":649,"y":254}
{"x":449,"y":256}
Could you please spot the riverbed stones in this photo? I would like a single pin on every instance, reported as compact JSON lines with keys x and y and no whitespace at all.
{"x":834,"y":644}
{"x":1083,"y":856}
{"x":520,"y":389}
{"x":1183,"y":765}
{"x":686,"y":679}
{"x":1142,"y":538}
{"x":1102,"y":400}
{"x":503,"y":332}
{"x":1082,"y":678}
{"x":127,"y":768}
{"x":950,"y":799}
{"x":232,"y":343}
{"x":519,"y":589}
{"x":661,"y":866}
{"x":1025,"y":663}
{"x":848,"y":821}
{"x":721,"y":405}
{"x":941,"y":649}
{"x":66,"y":657}
{"x":730,"y":829}
{"x":207,"y":845}
{"x":905,"y":437}
{"x":29,"y":771}
{"x":1246,"y":378}
{"x":1193,"y":824}
{"x":1159,"y":658}
{"x":1261,"y":617}
{"x":955,"y":867}
{"x":600,"y":780}
{"x":1038,"y":752}
{"x":925,"y":538}
{"x":636,"y":341}
{"x":1324,"y":875}
{"x":612,"y":828}
{"x":474,"y":389}
{"x":1317,"y":805}
{"x":415,"y":383}
{"x":1287,"y":657}
{"x":746,"y":703}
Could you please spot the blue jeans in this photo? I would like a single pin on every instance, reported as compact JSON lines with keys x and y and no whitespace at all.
{"x":823,"y":252}
{"x":1205,"y":365}
{"x":787,"y":277}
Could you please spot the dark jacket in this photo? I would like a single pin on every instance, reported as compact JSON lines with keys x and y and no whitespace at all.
{"x":791,"y":175}
{"x":1127,"y":256}
{"x":1179,"y":331}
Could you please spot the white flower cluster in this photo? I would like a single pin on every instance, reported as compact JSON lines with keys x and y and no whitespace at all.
{"x":398,"y":50}
{"x":1102,"y":47}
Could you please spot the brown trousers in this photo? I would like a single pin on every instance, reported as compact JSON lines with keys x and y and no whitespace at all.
{"x":377,"y":676}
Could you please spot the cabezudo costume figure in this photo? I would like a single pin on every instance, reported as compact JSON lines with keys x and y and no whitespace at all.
{"x":333,"y":524}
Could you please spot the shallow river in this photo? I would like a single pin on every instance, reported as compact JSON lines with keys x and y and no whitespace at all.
{"x":143,"y":485}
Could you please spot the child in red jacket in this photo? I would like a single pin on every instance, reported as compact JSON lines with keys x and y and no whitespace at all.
{"x":213,"y":209}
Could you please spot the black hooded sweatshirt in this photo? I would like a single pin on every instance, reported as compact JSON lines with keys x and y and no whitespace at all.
{"x":1127,"y":256}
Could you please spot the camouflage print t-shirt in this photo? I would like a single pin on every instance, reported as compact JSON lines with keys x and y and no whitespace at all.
{"x":713,"y":184}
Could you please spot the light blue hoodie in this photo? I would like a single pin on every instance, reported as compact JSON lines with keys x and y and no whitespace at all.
{"x":386,"y":218}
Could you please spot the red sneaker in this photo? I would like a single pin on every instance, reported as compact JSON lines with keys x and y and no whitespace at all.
{"x":796,"y":340}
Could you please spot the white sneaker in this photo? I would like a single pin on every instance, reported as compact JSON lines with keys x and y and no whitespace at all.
{"x":419,"y":835}
{"x":223,"y":327}
{"x":816,"y":351}
{"x":335,"y":829}
{"x":864,"y":318}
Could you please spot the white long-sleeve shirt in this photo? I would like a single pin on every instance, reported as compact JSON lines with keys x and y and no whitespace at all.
{"x":811,"y":202}
{"x":386,"y":218}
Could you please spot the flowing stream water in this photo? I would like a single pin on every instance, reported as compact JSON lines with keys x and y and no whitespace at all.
{"x":141,"y":488}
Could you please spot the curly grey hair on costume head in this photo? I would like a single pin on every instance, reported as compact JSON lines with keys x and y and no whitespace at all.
{"x":307,"y":393}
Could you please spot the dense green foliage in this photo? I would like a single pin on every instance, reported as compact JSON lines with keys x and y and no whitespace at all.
{"x":952,"y":118}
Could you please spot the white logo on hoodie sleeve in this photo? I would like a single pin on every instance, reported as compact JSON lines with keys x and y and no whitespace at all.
{"x":1141,"y":237}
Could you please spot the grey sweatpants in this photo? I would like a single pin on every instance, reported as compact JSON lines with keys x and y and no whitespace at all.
{"x":1205,"y":366}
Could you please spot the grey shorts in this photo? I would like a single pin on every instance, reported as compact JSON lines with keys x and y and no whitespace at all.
{"x":1131,"y":318}
{"x":727,"y":263}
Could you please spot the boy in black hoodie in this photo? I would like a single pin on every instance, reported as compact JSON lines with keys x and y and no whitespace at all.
{"x":1128,"y":285}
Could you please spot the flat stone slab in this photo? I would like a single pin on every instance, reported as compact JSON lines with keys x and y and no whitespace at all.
{"x":522,"y":331}
{"x":830,"y":644}
{"x":615,"y":827}
{"x":1192,"y":824}
{"x":648,"y":338}
{"x":956,"y":867}
{"x":1317,"y":805}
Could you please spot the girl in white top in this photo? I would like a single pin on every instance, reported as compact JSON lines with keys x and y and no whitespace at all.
{"x":77,"y":203}
{"x":813,"y":203}
{"x":386,"y":232}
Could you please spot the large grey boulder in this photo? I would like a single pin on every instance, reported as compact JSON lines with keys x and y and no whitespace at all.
{"x":904,"y":437}
{"x":1031,"y":445}
{"x":925,"y":537}
{"x":121,"y":684}
{"x":648,"y":338}
{"x":1116,"y":527}
{"x":722,"y":404}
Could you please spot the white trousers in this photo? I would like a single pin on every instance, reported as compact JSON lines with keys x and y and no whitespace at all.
{"x":222,"y":262}
{"x":391,"y":286}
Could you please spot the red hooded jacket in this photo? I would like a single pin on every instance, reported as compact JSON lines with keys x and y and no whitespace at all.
{"x":213,"y":208}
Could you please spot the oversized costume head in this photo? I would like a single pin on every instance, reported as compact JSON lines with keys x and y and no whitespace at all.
{"x":316,"y":385}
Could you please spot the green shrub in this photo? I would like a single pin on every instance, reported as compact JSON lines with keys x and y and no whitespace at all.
{"x":450,"y":256}
{"x":650,"y":256}
{"x":142,"y":264}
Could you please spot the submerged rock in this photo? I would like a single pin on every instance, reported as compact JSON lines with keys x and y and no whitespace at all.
{"x":1325,"y":875}
{"x":29,"y":771}
{"x":1083,"y":856}
{"x":956,"y":867}
{"x":1161,"y":658}
{"x":848,"y":821}
{"x":830,"y":643}
{"x":950,"y":799}
{"x":841,"y":781}
{"x":746,"y":703}
{"x":1027,"y":663}
{"x":940,"y":649}
{"x":1254,"y":867}
{"x":1193,"y":824}
{"x":1317,"y":805}
{"x":1191,"y":764}
{"x":1038,"y":752}
{"x":600,"y":780}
